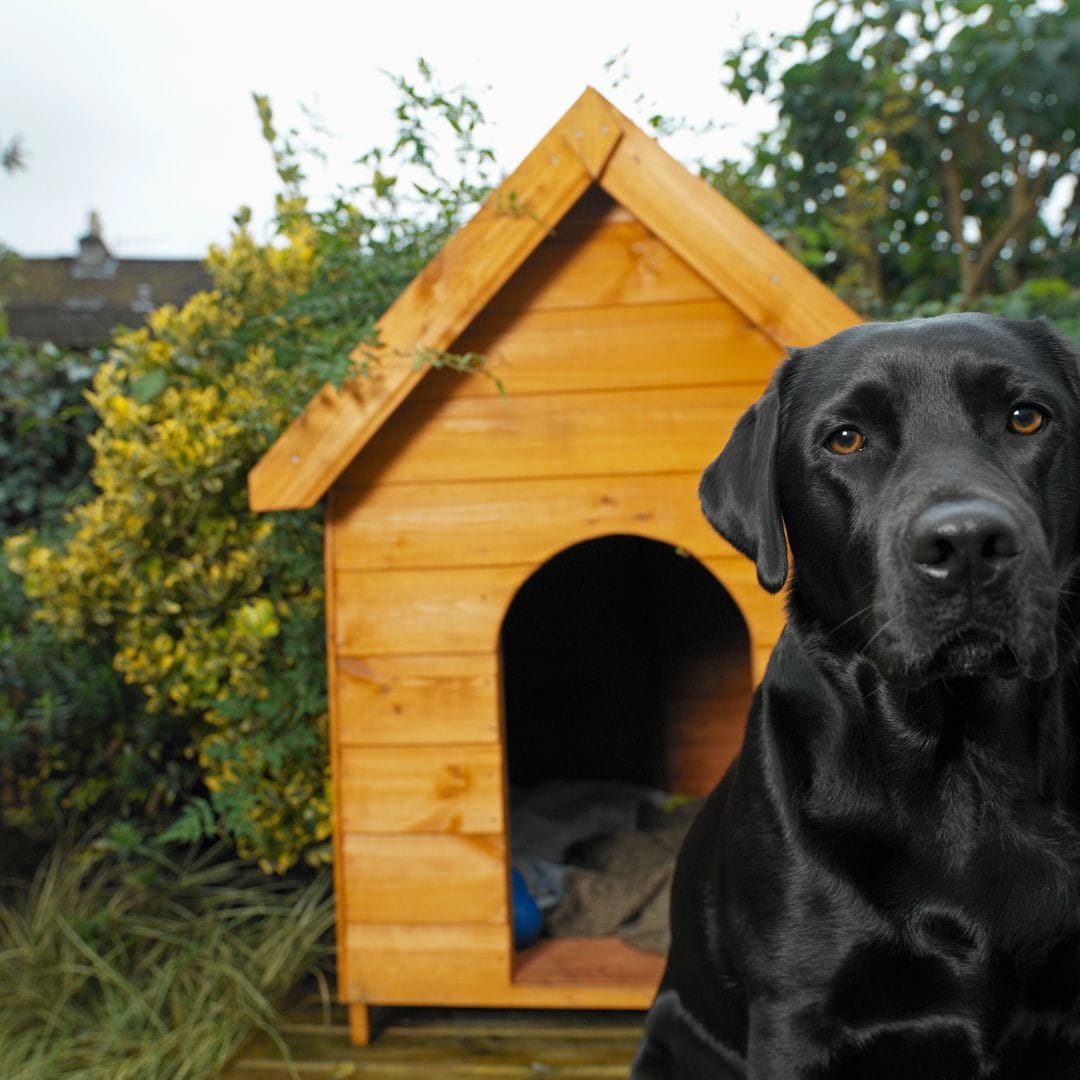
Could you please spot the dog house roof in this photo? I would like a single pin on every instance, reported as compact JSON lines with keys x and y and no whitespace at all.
{"x":592,"y":143}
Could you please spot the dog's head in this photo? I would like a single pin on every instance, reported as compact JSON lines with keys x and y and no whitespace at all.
{"x":927,"y":474}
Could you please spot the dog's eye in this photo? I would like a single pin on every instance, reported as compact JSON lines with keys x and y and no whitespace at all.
{"x":846,"y":440}
{"x":1026,"y":419}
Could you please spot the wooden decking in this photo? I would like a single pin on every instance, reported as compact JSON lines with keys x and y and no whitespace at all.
{"x":429,"y":1044}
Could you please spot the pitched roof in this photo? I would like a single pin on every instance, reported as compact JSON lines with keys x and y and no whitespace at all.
{"x":592,"y":143}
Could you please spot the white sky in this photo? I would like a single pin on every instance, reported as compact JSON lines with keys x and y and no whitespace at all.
{"x":142,"y":110}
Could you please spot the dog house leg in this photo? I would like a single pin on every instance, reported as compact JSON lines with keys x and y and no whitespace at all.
{"x":359,"y":1027}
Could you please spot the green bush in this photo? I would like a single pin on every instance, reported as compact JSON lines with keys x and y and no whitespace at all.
{"x":211,"y":613}
{"x":44,"y":424}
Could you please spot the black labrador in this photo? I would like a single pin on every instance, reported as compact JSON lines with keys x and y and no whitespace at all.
{"x":886,"y":883}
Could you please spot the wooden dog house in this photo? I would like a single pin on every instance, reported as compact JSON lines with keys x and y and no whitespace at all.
{"x":631,"y":314}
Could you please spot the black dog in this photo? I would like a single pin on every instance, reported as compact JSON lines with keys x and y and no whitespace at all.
{"x":886,"y":884}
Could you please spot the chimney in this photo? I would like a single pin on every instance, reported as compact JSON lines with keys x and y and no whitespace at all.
{"x":93,"y":259}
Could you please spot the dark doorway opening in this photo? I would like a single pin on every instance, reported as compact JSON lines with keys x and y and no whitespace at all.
{"x":624,"y":659}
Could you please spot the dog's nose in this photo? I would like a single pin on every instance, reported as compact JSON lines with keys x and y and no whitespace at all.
{"x":965,"y":540}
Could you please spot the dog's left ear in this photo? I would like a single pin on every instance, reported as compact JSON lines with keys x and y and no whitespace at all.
{"x":740,"y":493}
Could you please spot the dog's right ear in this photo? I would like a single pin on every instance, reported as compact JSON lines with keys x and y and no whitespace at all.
{"x":740,"y":492}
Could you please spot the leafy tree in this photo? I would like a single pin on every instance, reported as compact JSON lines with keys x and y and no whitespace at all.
{"x":917,"y":142}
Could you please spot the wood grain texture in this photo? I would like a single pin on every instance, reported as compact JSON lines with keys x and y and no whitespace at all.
{"x":587,"y":960}
{"x":418,"y":700}
{"x":329,"y":558}
{"x":663,"y":430}
{"x":433,"y":789}
{"x":502,"y":522}
{"x":775,"y":291}
{"x":613,"y":264}
{"x":423,"y":612}
{"x":591,"y":130}
{"x":423,"y":878}
{"x":430,"y":965}
{"x":612,"y":348}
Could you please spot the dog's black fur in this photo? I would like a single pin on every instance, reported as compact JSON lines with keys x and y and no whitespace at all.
{"x":886,"y":883}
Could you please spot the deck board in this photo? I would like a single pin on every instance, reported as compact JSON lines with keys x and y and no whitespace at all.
{"x":461,"y":1044}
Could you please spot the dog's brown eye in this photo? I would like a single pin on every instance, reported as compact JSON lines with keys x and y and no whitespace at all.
{"x":846,"y":440}
{"x":1026,"y":420}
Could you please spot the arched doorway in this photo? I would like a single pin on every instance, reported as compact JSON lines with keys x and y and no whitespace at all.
{"x":625,"y":659}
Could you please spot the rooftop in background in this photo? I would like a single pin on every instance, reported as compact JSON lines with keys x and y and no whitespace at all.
{"x":77,"y":301}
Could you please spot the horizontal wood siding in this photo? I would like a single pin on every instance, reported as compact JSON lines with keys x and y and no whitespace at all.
{"x":460,"y":609}
{"x":500,"y":522}
{"x":594,"y":433}
{"x":422,"y":878}
{"x":427,"y":965}
{"x":417,"y":789}
{"x":619,"y":348}
{"x":587,"y":264}
{"x":418,"y":700}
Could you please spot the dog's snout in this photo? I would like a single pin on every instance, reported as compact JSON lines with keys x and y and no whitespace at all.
{"x":956,"y":542}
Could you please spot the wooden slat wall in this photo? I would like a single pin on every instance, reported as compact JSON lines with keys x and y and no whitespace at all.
{"x":624,"y":375}
{"x":515,"y":521}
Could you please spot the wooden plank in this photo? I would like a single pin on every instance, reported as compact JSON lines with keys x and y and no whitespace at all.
{"x":464,"y":965}
{"x":422,"y":878}
{"x":434,"y":789}
{"x":433,"y":310}
{"x":403,"y":700}
{"x":501,"y":522}
{"x":669,"y":430}
{"x":587,"y":960}
{"x":616,"y":348}
{"x":774,"y":290}
{"x":617,"y":263}
{"x":431,"y":1049}
{"x":423,"y":612}
{"x":457,"y":610}
{"x":760,"y":653}
{"x":429,"y":965}
{"x":591,"y":130}
{"x":329,"y":558}
{"x":359,"y":1025}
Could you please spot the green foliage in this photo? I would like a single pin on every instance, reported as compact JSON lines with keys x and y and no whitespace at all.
{"x":44,"y":424}
{"x":213,"y":615}
{"x":67,"y":750}
{"x":119,"y":961}
{"x":916,"y":143}
{"x":1041,"y":298}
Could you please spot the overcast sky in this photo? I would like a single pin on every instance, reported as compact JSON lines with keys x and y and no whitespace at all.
{"x":142,"y":110}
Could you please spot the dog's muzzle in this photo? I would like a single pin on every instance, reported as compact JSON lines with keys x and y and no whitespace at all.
{"x":966,"y":592}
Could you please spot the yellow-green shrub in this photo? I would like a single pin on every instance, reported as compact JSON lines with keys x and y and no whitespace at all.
{"x":167,"y":563}
{"x":212,"y":612}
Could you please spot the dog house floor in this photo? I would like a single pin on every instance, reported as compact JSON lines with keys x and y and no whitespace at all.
{"x":588,"y":960}
{"x":419,"y":1044}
